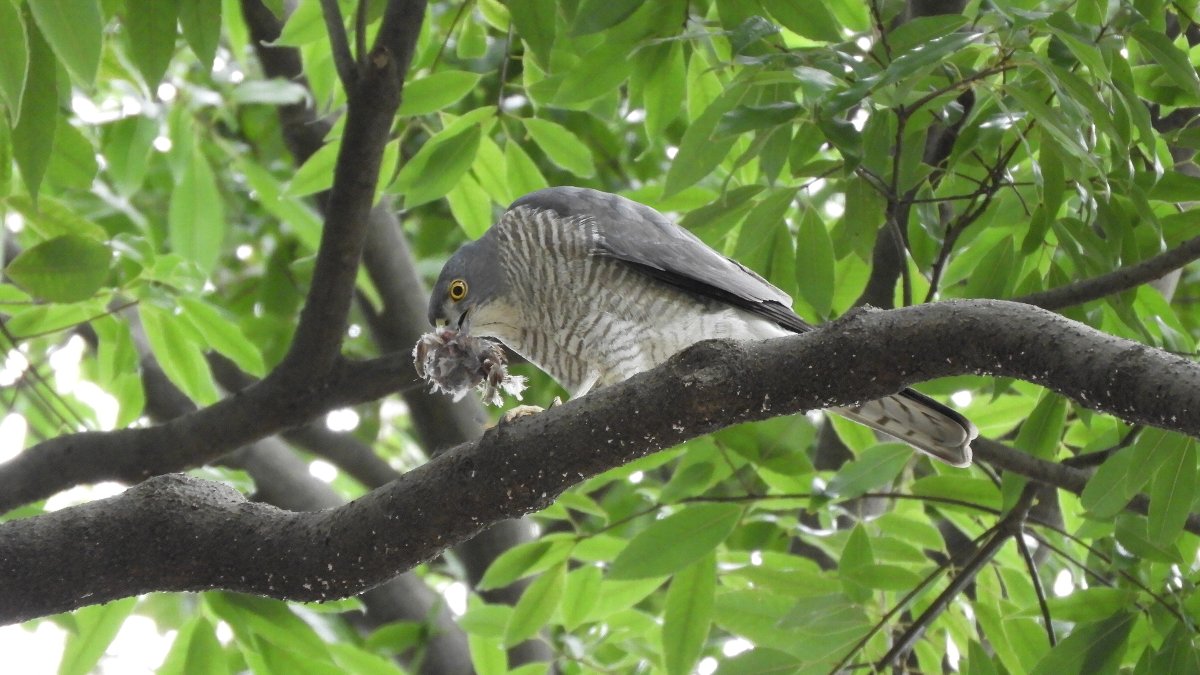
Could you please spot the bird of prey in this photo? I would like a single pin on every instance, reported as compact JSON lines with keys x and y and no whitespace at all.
{"x":593,"y":288}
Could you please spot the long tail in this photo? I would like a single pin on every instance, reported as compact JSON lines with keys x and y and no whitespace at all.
{"x":921,"y":422}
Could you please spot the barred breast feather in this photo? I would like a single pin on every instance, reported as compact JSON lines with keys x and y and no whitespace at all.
{"x":601,"y":288}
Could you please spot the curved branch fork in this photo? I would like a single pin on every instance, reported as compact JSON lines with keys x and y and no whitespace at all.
{"x":183,"y":534}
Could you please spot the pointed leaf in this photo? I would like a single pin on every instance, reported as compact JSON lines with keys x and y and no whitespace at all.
{"x":72,"y":28}
{"x":670,"y":544}
{"x":594,"y":16}
{"x":201,"y":24}
{"x":14,"y":58}
{"x":1172,"y":495}
{"x":178,"y":355}
{"x":1090,"y":648}
{"x":196,"y":216}
{"x":68,"y":268}
{"x":561,"y":146}
{"x":537,"y":604}
{"x":437,"y":166}
{"x":436,"y":91}
{"x":687,"y":614}
{"x":150,"y":36}
{"x":33,"y":134}
{"x":95,"y":628}
{"x":223,"y":335}
{"x":815,"y":262}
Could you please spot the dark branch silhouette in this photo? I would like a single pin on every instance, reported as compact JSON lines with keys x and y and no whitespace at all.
{"x":180,"y":533}
{"x":1121,"y":279}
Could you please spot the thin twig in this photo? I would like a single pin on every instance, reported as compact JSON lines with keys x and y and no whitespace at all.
{"x":1007,"y":528}
{"x":1038,"y":588}
{"x":1116,"y":281}
{"x":360,"y":32}
{"x":339,"y":44}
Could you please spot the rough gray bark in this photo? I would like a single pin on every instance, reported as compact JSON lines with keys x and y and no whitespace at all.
{"x":179,"y":533}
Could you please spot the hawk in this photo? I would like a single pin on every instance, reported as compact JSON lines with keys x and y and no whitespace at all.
{"x":593,"y":288}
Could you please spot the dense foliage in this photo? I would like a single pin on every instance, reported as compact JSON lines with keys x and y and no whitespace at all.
{"x":163,"y":206}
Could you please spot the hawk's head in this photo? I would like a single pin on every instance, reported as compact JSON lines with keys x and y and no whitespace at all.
{"x":467,"y":289}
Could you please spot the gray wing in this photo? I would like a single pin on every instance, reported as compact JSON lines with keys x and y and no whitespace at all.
{"x":646,"y":239}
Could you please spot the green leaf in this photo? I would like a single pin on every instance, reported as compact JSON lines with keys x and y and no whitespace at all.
{"x":95,"y":628}
{"x":68,"y":268}
{"x":855,"y":232}
{"x":1171,"y":496}
{"x":471,"y":206}
{"x":815,"y":262}
{"x":200,"y":21}
{"x":304,"y":25}
{"x":1178,"y":653}
{"x":33,"y":134}
{"x":14,"y":58}
{"x":223,"y":335}
{"x":670,"y":544}
{"x":525,"y":559}
{"x":523,"y":174}
{"x":316,"y":173}
{"x":437,"y":166}
{"x":1041,"y":431}
{"x":992,"y":278}
{"x":150,"y":36}
{"x":749,"y":31}
{"x":594,"y":16}
{"x":436,"y":91}
{"x":580,"y":595}
{"x":73,"y":162}
{"x":397,"y":636}
{"x":534,"y":21}
{"x":1152,"y":449}
{"x":1085,"y":605}
{"x":809,"y":19}
{"x":196,"y":216}
{"x":601,"y":72}
{"x":258,"y":622}
{"x":978,"y":491}
{"x":72,"y":28}
{"x":687,"y":614}
{"x":51,"y":218}
{"x":1172,"y":59}
{"x":196,"y":651}
{"x":661,"y":72}
{"x":180,"y":358}
{"x":1090,"y":648}
{"x":488,"y":655}
{"x":616,"y":595}
{"x":753,"y":117}
{"x":561,"y":146}
{"x":126,"y":145}
{"x":1107,"y":491}
{"x":42,"y":319}
{"x":700,"y":151}
{"x":874,"y":467}
{"x":760,"y":661}
{"x":537,"y":604}
{"x":486,"y":620}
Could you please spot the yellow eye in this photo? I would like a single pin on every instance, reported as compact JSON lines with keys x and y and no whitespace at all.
{"x":458,"y":290}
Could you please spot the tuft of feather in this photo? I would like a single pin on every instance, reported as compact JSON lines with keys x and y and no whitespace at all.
{"x":454,"y":363}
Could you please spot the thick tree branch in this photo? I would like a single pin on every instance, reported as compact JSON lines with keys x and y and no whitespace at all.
{"x":440,"y":422}
{"x":178,"y":533}
{"x":300,"y":386}
{"x":1118,"y":280}
{"x":281,"y":479}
